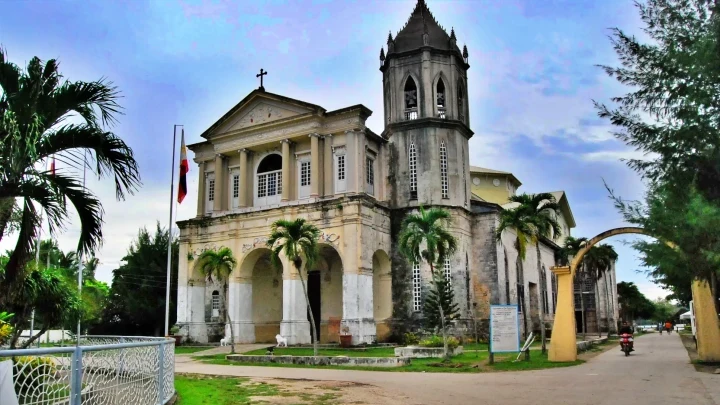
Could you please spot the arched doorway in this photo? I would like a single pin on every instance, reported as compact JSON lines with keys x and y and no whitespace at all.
{"x":268,"y":180}
{"x":382,"y":294}
{"x":263,"y":310}
{"x":325,"y":289}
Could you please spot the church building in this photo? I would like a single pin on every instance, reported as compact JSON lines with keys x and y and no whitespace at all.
{"x":272,"y":157}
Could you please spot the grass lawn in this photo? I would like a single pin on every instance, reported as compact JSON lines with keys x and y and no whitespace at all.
{"x":190,"y":349}
{"x":474,"y":362}
{"x":214,"y":390}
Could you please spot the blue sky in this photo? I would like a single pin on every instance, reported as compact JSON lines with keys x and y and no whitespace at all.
{"x":532,"y":80}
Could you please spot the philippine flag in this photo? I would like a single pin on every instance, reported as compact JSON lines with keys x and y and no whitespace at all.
{"x":184,"y":169}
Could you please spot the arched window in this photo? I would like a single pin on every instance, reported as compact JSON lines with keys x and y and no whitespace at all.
{"x":444,"y":170}
{"x":215,"y":304}
{"x":411,"y":99}
{"x":447,"y":270}
{"x":440,"y":98}
{"x":416,"y":288}
{"x":544,"y":291}
{"x":460,"y":102}
{"x":507,"y":278}
{"x":412,"y":159}
{"x":269,"y":180}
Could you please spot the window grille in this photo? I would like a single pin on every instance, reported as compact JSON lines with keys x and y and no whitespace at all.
{"x":444,"y":170}
{"x":370,"y":170}
{"x":211,"y":190}
{"x":215,"y":300}
{"x":305,"y":173}
{"x":413,"y":171}
{"x":447,"y":270}
{"x":341,"y":167}
{"x":417,"y":295}
{"x":236,"y":186}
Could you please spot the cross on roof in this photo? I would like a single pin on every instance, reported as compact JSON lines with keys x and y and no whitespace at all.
{"x":260,"y":75}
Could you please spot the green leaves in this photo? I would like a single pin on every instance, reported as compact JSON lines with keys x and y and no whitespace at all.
{"x":424,"y":236}
{"x":441,"y":294}
{"x":217,"y":264}
{"x":296,"y":239}
{"x":533,"y":218}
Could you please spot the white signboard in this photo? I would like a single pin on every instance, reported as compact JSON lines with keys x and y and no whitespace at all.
{"x":504,"y":329}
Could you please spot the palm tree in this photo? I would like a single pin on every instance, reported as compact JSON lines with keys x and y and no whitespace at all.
{"x":297,"y":240}
{"x":34,"y":107}
{"x":428,"y":229}
{"x":599,"y":260}
{"x":218,"y":265}
{"x":541,"y":211}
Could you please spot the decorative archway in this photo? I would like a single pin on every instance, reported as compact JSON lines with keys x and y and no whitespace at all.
{"x":563,"y":347}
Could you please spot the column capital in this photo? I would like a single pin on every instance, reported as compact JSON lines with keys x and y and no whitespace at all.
{"x":315,"y":135}
{"x":289,"y":142}
{"x":245,"y":151}
{"x":220,"y":155}
{"x":560,"y":270}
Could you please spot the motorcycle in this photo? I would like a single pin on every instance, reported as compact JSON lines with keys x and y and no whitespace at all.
{"x":626,"y":343}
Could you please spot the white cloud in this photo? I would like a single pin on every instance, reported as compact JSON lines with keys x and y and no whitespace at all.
{"x":651,"y":290}
{"x":615,"y":155}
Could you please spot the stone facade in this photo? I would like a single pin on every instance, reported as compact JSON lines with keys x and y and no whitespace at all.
{"x":271,"y":157}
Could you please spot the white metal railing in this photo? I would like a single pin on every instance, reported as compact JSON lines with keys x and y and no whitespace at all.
{"x":411,"y":113}
{"x":441,"y":112}
{"x":113,"y":370}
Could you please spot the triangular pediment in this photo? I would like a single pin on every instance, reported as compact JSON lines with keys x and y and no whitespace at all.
{"x":258,"y":109}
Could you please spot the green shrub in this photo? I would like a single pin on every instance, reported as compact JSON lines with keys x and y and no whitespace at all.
{"x":437,"y":341}
{"x":32,"y":372}
{"x":411,"y":339}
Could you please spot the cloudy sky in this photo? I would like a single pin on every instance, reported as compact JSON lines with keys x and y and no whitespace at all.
{"x":532,"y":80}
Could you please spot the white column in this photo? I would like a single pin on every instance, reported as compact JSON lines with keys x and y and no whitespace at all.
{"x":315,"y":168}
{"x":196,"y":305}
{"x":358,"y":306}
{"x":240,"y":296}
{"x":295,"y":326}
{"x":243,"y":178}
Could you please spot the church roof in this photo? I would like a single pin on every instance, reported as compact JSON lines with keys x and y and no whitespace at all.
{"x":484,"y":170}
{"x":411,"y":36}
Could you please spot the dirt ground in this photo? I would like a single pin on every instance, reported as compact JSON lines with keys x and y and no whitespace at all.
{"x":326,"y":392}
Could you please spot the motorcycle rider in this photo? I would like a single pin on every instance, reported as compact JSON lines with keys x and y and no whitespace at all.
{"x":625,"y":328}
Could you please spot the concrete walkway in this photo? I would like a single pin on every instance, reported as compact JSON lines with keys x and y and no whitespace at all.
{"x":657,"y":373}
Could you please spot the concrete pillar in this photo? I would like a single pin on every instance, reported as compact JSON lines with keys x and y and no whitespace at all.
{"x":706,"y":322}
{"x":295,"y":326}
{"x":426,"y":107}
{"x":563,"y":347}
{"x":240,"y":297}
{"x":351,"y":162}
{"x":201,"y":190}
{"x":196,"y":305}
{"x":285,"y":196}
{"x":243,"y":178}
{"x":315,"y":168}
{"x":328,"y":164}
{"x":220,"y":185}
{"x":357,"y":299}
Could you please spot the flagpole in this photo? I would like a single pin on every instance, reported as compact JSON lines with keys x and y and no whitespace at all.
{"x":80,"y":266}
{"x":169,"y":253}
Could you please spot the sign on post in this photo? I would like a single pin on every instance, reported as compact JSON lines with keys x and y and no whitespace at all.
{"x":504,"y":329}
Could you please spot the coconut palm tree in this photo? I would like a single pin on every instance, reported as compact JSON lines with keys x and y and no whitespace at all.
{"x":35,"y":105}
{"x":424,"y":237}
{"x":218,"y":265}
{"x":599,"y":260}
{"x":297,"y":240}
{"x":541,"y":211}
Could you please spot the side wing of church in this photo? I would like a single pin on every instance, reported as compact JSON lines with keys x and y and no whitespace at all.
{"x":272,"y":157}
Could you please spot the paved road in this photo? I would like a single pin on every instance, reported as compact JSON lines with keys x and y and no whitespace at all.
{"x":657,"y":373}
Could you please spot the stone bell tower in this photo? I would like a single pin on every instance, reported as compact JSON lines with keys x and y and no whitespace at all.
{"x":426,"y":114}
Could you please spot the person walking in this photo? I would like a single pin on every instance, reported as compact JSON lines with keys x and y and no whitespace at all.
{"x":668,"y":327}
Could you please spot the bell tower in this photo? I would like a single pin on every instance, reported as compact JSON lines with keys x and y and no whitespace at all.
{"x":426,"y":113}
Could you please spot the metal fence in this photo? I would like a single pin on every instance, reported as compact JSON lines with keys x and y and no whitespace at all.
{"x":112,"y":370}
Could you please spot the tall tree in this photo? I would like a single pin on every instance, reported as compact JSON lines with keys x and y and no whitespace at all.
{"x":541,"y":212}
{"x":136,"y":304}
{"x":218,"y":265}
{"x":424,"y":237}
{"x":34,"y":106}
{"x":298,"y":241}
{"x":440,"y":299}
{"x":598,"y":261}
{"x":633,"y":303}
{"x":671,"y":115}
